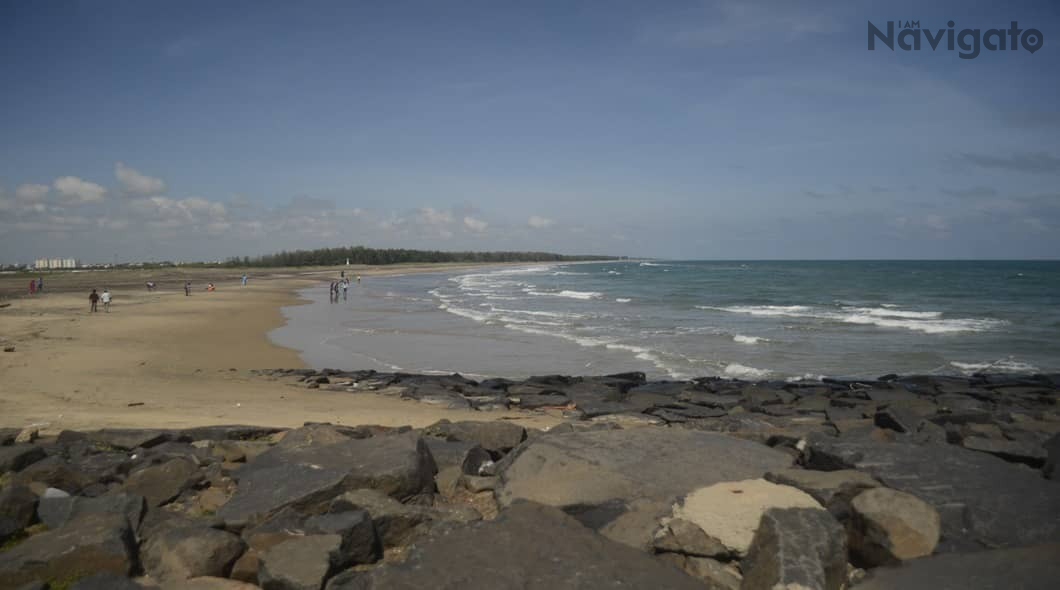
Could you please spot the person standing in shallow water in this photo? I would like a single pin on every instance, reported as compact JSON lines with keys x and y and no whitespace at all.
{"x":93,"y":299}
{"x":187,"y":288}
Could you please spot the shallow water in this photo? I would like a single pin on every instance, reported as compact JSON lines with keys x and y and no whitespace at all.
{"x":682,"y":319}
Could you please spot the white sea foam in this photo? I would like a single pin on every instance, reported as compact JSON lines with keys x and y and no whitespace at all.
{"x":654,"y":264}
{"x":1008,"y":365}
{"x":623,"y":300}
{"x":613,"y":272}
{"x":748,"y":339}
{"x":805,"y":377}
{"x":738,"y":371}
{"x":584,"y":295}
{"x":929,"y":322}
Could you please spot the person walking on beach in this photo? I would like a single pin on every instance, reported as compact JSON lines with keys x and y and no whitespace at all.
{"x":93,"y":298}
{"x":105,"y":298}
{"x":187,"y":288}
{"x":32,"y":287}
{"x":40,"y":284}
{"x":358,"y":279}
{"x":345,"y":285}
{"x":244,"y":279}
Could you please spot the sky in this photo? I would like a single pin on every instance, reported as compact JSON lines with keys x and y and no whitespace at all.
{"x":694,"y":129}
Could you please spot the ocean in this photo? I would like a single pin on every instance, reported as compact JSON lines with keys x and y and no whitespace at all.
{"x":681,"y":319}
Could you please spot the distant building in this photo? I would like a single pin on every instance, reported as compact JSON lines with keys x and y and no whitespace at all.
{"x":55,"y":263}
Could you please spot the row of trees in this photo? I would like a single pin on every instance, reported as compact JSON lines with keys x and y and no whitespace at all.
{"x":377,"y":256}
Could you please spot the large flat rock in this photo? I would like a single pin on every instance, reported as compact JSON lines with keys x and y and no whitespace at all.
{"x":399,"y":466}
{"x":984,"y":501}
{"x":529,"y":547}
{"x":1024,"y":568}
{"x":622,"y":481}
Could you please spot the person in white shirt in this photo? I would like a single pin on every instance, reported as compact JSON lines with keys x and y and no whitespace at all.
{"x":105,"y":298}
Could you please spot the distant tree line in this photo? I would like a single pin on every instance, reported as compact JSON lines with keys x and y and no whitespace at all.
{"x":379,"y":256}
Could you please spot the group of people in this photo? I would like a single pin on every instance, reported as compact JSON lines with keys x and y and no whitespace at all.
{"x":36,"y":286}
{"x":94,"y":299}
{"x":343,"y":284}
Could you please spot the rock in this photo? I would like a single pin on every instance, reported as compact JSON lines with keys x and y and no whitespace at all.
{"x":730,"y":511}
{"x":529,"y":546}
{"x":303,"y":563}
{"x":530,"y":402}
{"x":1026,"y":568}
{"x":355,"y":527}
{"x":245,"y":569}
{"x":264,"y":492}
{"x":681,"y":536}
{"x":56,"y":512}
{"x":394,"y":522}
{"x":400,"y":466}
{"x":833,"y":489}
{"x":710,"y":400}
{"x":106,"y":581}
{"x":161,"y":484}
{"x":498,"y":437}
{"x":9,"y":529}
{"x":796,"y":548}
{"x":313,"y":435}
{"x":1009,"y":450}
{"x":228,"y":432}
{"x":714,"y":574}
{"x":19,"y":504}
{"x":18,"y":457}
{"x":55,"y":472}
{"x":1052,"y":448}
{"x":624,"y":481}
{"x":476,"y":484}
{"x":982,"y":500}
{"x":210,"y":583}
{"x":27,"y":435}
{"x":128,"y":439}
{"x":889,"y":526}
{"x":91,"y":544}
{"x":177,"y":554}
{"x":448,"y":453}
{"x":478,"y":461}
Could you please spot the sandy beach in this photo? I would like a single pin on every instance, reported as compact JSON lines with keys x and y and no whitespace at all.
{"x":161,"y":359}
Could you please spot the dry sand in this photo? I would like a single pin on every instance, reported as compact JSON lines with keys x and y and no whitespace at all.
{"x":168,"y":361}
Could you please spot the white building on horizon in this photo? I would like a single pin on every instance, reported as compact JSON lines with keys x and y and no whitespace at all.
{"x":55,"y":263}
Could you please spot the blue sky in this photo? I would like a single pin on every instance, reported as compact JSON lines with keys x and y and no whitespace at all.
{"x":687,"y":129}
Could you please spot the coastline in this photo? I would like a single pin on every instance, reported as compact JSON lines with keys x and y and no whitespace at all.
{"x":163,"y":360}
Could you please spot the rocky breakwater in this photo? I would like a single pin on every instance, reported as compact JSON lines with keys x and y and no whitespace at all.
{"x":901,"y":482}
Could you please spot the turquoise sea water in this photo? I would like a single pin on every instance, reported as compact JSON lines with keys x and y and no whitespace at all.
{"x":680,"y":319}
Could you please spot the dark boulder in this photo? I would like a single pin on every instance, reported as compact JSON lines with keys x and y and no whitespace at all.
{"x":796,"y":548}
{"x":18,"y":457}
{"x":19,"y":504}
{"x":161,"y":484}
{"x":496,"y":436}
{"x":303,"y":563}
{"x":178,"y":553}
{"x":55,"y":512}
{"x":91,"y":544}
{"x":355,"y":527}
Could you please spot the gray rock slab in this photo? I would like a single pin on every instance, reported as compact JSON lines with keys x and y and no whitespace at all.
{"x":984,"y":502}
{"x":528,"y":547}
{"x":304,"y":563}
{"x":624,"y":480}
{"x":56,"y":512}
{"x":162,"y":483}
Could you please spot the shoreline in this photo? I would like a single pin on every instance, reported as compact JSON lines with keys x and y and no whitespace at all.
{"x":163,"y":360}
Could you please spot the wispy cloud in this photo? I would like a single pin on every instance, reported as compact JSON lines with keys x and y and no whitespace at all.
{"x":1032,"y":162}
{"x":719,"y":23}
{"x":78,"y":191}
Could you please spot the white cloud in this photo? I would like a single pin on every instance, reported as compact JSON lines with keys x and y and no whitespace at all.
{"x":136,"y":183}
{"x":431,"y":216}
{"x":31,"y":192}
{"x":79,"y":192}
{"x":476,"y":225}
{"x":538,"y":222}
